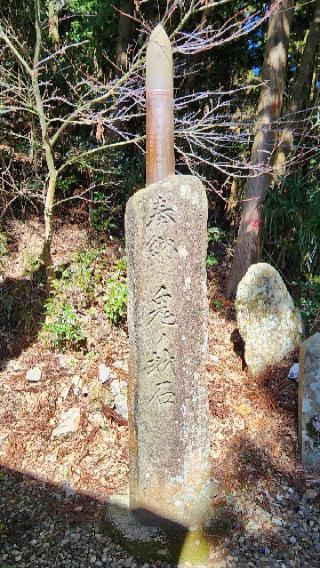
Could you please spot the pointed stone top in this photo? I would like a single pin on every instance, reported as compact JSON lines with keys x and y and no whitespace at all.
{"x":159,"y":64}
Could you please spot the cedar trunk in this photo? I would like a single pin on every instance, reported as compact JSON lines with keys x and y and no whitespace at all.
{"x":124,"y":33}
{"x":248,"y":245}
{"x":299,"y":93}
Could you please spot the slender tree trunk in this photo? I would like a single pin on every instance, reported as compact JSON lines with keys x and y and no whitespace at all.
{"x":299,"y":94}
{"x":124,"y":33}
{"x":248,"y":245}
{"x":52,"y":171}
{"x":48,"y":226}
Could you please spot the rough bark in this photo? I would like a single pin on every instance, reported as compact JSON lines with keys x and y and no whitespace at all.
{"x":124,"y":33}
{"x":300,"y":91}
{"x":248,"y":246}
{"x":54,"y":7}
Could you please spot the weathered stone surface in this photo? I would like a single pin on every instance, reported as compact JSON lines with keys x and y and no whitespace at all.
{"x":309,"y":401}
{"x":166,"y":233}
{"x":268,"y":321}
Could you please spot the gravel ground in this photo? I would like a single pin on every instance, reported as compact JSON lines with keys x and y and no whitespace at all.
{"x":278,"y":528}
{"x":40,"y":525}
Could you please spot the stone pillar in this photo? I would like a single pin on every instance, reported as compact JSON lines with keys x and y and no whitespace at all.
{"x":309,"y":401}
{"x":166,"y":236}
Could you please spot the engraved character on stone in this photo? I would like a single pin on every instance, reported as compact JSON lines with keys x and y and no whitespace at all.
{"x":160,"y":307}
{"x":158,"y":245}
{"x":160,"y":368}
{"x":161,"y":214}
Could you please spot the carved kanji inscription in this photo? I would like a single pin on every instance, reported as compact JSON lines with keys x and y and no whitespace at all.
{"x":160,"y":310}
{"x":159,"y":245}
{"x":161,"y":213}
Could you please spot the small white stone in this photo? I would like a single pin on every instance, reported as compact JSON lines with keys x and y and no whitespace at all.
{"x":122,"y":365}
{"x":118,"y":387}
{"x":294,"y":372}
{"x":69,"y":423}
{"x":104,"y":373}
{"x":33,"y":375}
{"x":64,"y":393}
{"x":121,"y":405}
{"x":76,"y":383}
{"x":96,"y":419}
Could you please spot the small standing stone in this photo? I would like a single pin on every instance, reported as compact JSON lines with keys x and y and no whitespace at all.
{"x":268,"y":321}
{"x":309,"y":401}
{"x":33,"y":375}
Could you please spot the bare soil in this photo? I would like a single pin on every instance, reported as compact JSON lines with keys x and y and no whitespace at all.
{"x":253,"y":422}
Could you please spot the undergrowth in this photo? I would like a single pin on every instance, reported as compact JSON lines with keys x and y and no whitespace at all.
{"x":88,"y":286}
{"x":116,"y":304}
{"x":309,"y":303}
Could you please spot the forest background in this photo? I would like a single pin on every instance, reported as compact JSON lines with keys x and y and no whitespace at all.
{"x":72,"y":141}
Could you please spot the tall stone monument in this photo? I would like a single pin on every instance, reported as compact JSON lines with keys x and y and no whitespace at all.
{"x":309,"y":402}
{"x":166,"y":235}
{"x":166,"y":239}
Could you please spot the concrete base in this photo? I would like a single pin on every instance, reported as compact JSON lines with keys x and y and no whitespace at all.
{"x":160,"y":539}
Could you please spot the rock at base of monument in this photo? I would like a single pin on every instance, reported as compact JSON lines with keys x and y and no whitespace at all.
{"x":269,"y":323}
{"x":160,"y":539}
{"x":309,"y":402}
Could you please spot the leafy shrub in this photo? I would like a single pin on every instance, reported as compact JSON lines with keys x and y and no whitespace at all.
{"x":215,"y":237}
{"x":215,"y":234}
{"x":309,"y":303}
{"x":77,"y":292}
{"x":73,"y":288}
{"x":212,"y":260}
{"x":63,"y":328}
{"x":116,"y":305}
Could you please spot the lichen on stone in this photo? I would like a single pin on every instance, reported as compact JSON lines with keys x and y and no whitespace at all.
{"x":269,"y":323}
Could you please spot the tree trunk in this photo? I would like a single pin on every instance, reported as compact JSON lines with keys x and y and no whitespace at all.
{"x":47,"y":147}
{"x":48,"y":225}
{"x":299,"y":93}
{"x":54,"y":7}
{"x":124,"y":33}
{"x":53,"y":23}
{"x":248,"y":245}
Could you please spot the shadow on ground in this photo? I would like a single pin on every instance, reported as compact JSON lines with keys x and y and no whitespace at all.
{"x":43,"y":524}
{"x":22,"y":312}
